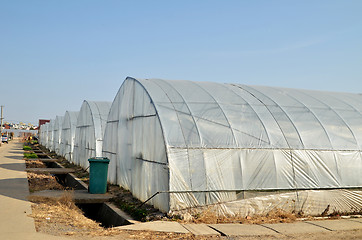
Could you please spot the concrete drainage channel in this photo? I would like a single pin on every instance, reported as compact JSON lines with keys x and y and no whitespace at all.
{"x":94,"y":206}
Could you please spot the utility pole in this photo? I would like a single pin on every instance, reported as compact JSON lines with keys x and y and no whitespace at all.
{"x":1,"y":126}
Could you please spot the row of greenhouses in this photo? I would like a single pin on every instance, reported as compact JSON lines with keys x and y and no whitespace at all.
{"x":239,"y":149}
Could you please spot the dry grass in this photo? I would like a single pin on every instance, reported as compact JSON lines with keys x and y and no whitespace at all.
{"x":34,"y":164}
{"x":61,"y":216}
{"x":39,"y":182}
{"x":275,"y":216}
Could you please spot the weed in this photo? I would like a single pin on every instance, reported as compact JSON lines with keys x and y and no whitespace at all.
{"x":26,"y":148}
{"x":30,"y":155}
{"x":133,"y":209}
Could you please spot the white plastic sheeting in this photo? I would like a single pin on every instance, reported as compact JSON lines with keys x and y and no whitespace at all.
{"x":89,"y":131}
{"x":68,"y":134}
{"x":57,"y":134}
{"x":205,"y":142}
{"x":43,"y":134}
{"x":133,"y":141}
{"x":50,"y":145}
{"x":306,"y":202}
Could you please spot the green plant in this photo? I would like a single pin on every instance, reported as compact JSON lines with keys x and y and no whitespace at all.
{"x":26,"y":148}
{"x":134,"y":210}
{"x":30,"y":155}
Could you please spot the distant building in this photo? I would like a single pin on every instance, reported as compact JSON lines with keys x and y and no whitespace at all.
{"x":43,"y":121}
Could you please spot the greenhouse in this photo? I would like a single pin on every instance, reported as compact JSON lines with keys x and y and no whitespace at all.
{"x":57,"y":134}
{"x":183,"y":144}
{"x":68,"y":134}
{"x":89,"y":131}
{"x":44,"y":134}
{"x":50,"y":135}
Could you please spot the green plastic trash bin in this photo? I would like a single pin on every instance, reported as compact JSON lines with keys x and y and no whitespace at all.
{"x":98,"y":171}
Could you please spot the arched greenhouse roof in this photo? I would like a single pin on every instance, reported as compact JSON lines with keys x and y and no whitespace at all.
{"x":57,"y":133}
{"x":68,"y":134}
{"x":183,"y":137}
{"x":43,"y":134}
{"x":89,"y":131}
{"x":50,"y":135}
{"x":46,"y":134}
{"x":214,"y":115}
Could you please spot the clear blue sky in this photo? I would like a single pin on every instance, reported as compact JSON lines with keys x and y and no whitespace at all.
{"x":55,"y":54}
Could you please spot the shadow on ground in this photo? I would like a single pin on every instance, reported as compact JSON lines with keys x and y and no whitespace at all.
{"x":14,"y":188}
{"x":17,"y":152}
{"x":13,"y":166}
{"x":15,"y":157}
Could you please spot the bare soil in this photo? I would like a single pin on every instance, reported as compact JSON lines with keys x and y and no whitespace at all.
{"x":34,"y":164}
{"x":39,"y":182}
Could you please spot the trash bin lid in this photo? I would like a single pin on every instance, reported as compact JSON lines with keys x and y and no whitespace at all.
{"x":99,"y":159}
